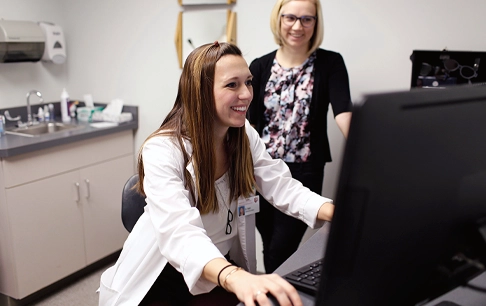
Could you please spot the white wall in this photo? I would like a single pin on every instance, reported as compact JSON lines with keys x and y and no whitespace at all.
{"x":125,"y":49}
{"x":376,"y":39}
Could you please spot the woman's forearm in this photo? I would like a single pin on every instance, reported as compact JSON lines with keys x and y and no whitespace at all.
{"x":326,"y":212}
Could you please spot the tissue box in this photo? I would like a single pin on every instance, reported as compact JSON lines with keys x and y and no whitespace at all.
{"x":113,"y":113}
{"x":123,"y":117}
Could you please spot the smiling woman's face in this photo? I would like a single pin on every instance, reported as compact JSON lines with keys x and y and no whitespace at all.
{"x":233,"y":91}
{"x":296,"y":36}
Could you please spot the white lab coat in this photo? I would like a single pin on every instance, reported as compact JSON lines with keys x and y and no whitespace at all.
{"x":170,"y":229}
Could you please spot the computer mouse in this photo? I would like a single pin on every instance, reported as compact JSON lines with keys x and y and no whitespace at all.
{"x":306,"y":300}
{"x":447,"y":303}
{"x":273,"y":300}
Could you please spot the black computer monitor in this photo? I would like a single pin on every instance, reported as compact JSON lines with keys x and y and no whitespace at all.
{"x":410,"y":199}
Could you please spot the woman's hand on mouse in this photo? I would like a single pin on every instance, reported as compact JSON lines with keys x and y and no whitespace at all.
{"x":250,"y":288}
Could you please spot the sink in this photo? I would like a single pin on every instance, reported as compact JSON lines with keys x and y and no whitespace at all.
{"x":42,"y":129}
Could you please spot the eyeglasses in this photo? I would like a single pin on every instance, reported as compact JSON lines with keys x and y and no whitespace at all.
{"x":229,"y":218}
{"x":305,"y":21}
{"x":451,"y":65}
{"x":467,"y":72}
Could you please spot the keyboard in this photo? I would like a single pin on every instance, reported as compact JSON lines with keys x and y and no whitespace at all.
{"x":306,"y":278}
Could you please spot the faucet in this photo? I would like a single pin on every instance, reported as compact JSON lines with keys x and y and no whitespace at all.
{"x":30,"y":120}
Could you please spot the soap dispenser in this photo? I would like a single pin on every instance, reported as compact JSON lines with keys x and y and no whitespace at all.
{"x":64,"y":106}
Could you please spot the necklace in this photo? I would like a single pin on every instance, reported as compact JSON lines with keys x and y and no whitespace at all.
{"x":229,"y":217}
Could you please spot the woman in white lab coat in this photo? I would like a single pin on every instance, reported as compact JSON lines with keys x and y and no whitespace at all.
{"x":190,"y":246}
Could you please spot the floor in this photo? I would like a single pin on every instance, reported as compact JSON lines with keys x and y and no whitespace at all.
{"x":80,"y":293}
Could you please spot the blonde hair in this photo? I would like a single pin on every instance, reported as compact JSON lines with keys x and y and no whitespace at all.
{"x":275,"y":24}
{"x":192,"y":117}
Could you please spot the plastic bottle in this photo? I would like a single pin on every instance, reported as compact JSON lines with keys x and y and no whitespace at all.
{"x":51,"y":111}
{"x":40,"y":114}
{"x":64,"y":106}
{"x":72,"y":109}
{"x":2,"y":125}
{"x":47,"y":114}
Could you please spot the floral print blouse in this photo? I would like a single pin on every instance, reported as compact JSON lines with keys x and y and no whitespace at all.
{"x":287,"y":101}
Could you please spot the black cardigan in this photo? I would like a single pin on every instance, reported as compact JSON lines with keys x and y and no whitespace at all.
{"x":331,"y":85}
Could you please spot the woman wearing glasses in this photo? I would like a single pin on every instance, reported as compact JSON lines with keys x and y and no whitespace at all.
{"x":190,"y":246}
{"x":293,"y":87}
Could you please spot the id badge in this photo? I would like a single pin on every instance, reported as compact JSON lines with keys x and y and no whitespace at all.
{"x":248,"y":206}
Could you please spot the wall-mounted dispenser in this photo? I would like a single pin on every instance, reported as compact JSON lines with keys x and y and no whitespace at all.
{"x":55,"y":50}
{"x":20,"y":41}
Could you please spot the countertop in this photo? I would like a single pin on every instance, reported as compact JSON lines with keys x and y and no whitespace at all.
{"x":12,"y":145}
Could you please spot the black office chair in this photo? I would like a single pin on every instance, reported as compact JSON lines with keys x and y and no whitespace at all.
{"x":132,"y":203}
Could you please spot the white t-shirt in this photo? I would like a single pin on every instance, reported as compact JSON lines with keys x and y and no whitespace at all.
{"x":216,"y":223}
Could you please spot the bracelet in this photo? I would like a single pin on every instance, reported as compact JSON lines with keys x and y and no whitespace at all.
{"x":219,"y":274}
{"x":228,"y":275}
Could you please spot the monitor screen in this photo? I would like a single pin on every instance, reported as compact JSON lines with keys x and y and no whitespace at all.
{"x":410,"y":199}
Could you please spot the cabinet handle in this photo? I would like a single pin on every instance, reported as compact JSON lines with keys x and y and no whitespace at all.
{"x":77,"y":191}
{"x":87,"y":185}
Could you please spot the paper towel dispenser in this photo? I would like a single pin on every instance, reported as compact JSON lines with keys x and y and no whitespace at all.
{"x":21,"y":41}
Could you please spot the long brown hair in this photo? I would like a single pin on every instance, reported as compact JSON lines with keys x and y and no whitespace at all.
{"x":192,"y":118}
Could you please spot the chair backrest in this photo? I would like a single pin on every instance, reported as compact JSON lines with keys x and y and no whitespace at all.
{"x":133,"y":203}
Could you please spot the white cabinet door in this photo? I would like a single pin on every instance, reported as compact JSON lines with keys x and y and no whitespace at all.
{"x":47,"y":226}
{"x":101,"y":192}
{"x":52,"y":228}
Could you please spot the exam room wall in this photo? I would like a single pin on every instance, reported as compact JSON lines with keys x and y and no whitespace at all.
{"x":125,"y":49}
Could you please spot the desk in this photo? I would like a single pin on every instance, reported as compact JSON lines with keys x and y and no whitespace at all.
{"x":314,"y":248}
{"x":464,"y":296}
